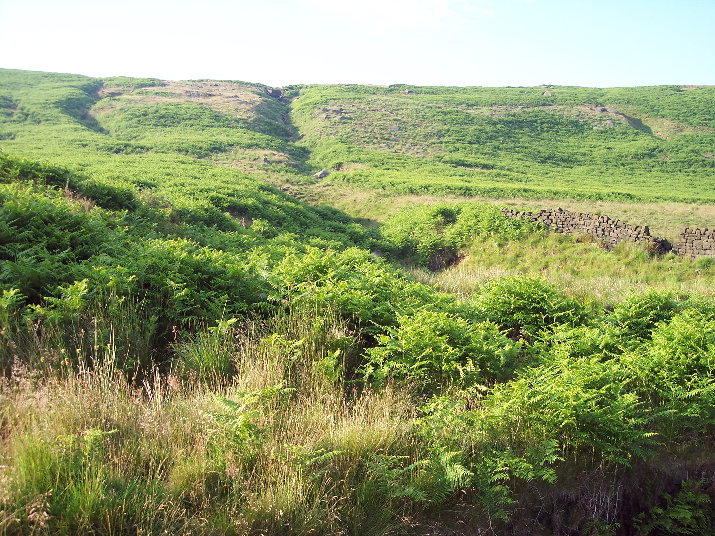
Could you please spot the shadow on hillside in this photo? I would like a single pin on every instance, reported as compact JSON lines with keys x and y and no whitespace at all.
{"x":638,"y":125}
{"x":274,"y":118}
{"x":78,"y":108}
{"x":87,"y":121}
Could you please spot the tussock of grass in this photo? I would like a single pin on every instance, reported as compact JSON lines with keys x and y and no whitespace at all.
{"x":90,"y":451}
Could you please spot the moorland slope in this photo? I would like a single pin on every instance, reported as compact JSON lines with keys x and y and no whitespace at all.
{"x":197,"y":336}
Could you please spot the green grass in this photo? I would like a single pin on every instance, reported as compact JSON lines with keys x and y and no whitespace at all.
{"x":187,"y":349}
{"x":513,"y":142}
{"x":665,"y":219}
{"x":576,"y":265}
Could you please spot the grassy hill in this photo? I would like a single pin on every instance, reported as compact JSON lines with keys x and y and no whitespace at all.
{"x":198,"y":337}
{"x":632,"y":144}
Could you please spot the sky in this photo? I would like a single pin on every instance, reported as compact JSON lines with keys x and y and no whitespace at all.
{"x":423,"y":42}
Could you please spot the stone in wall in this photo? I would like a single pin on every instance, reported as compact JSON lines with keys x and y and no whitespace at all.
{"x":696,"y":243}
{"x":608,"y":231}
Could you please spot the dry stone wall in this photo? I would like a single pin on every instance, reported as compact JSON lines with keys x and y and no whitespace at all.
{"x":610,"y":232}
{"x":696,"y":243}
{"x":692,"y":243}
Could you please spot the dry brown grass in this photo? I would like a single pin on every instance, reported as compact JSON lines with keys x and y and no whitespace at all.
{"x":214,"y":467}
{"x":228,"y":98}
{"x":254,"y":161}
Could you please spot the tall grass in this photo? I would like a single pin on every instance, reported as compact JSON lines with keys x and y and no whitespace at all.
{"x":279,"y":447}
{"x":259,"y":427}
{"x":576,"y":265}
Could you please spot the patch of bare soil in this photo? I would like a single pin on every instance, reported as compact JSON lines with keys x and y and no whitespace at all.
{"x":229,"y":98}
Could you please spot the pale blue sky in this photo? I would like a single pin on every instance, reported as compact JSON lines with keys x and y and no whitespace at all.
{"x":435,"y":42}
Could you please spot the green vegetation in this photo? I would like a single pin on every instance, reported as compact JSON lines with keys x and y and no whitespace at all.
{"x":433,"y":234}
{"x":575,"y":265}
{"x":187,"y":349}
{"x":555,"y":142}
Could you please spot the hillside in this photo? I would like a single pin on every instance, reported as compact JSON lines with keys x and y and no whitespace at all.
{"x":638,"y":144}
{"x":198,"y":336}
{"x":627,"y":144}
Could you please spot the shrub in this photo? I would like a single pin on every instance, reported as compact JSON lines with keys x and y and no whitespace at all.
{"x":19,"y":169}
{"x":583,"y":404}
{"x":689,"y":511}
{"x":601,"y":340}
{"x":436,"y":349}
{"x":44,"y":239}
{"x":425,"y":232}
{"x":526,"y":306}
{"x":364,"y":290}
{"x":674,"y":372}
{"x":109,"y":196}
{"x":637,"y":315}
